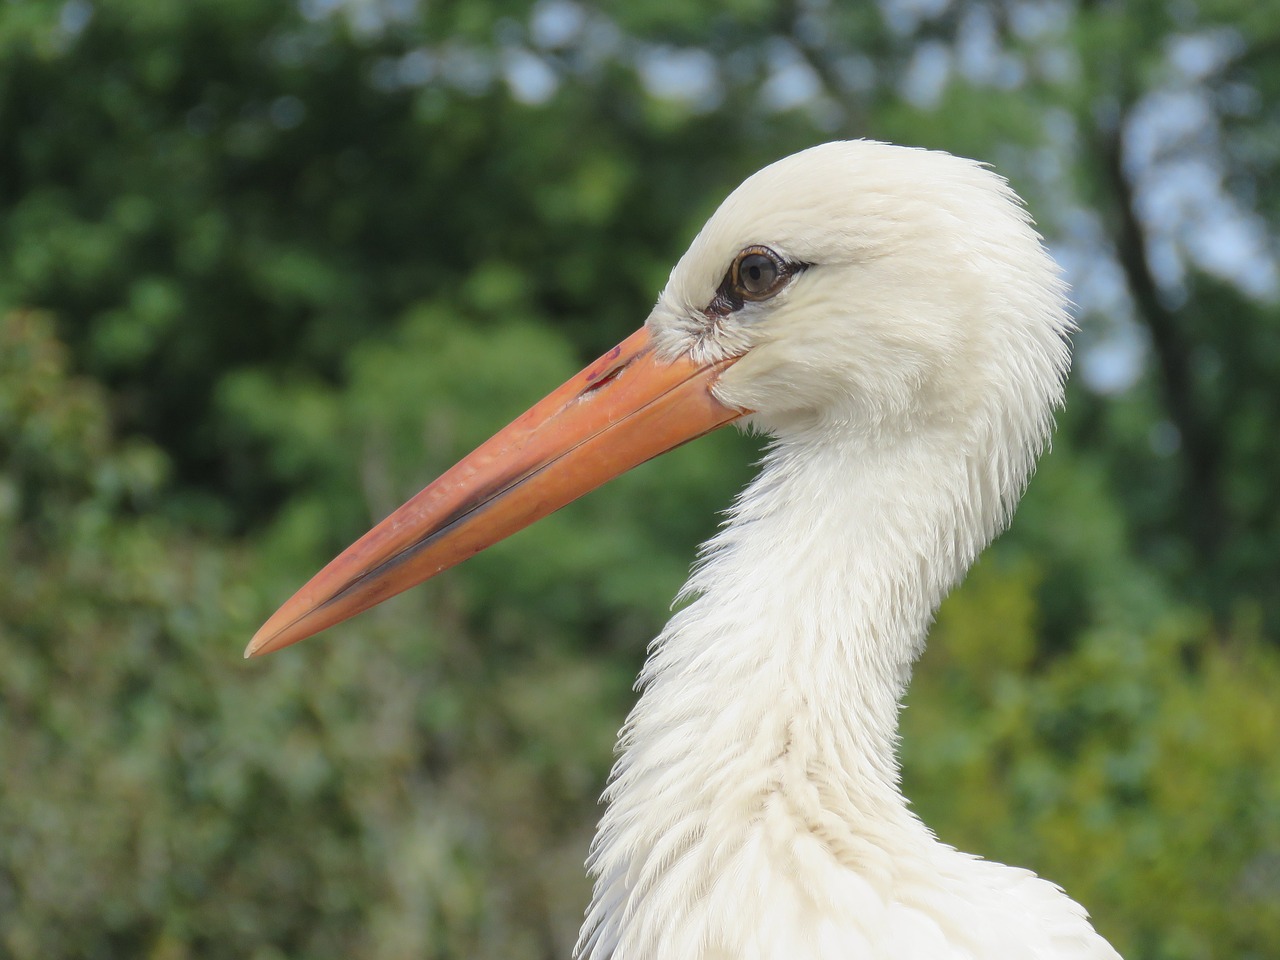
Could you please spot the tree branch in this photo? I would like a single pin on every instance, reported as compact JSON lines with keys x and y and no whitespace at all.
{"x":1201,"y":453}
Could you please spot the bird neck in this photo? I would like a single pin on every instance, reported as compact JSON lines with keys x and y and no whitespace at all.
{"x":820,"y":591}
{"x":773,"y":696}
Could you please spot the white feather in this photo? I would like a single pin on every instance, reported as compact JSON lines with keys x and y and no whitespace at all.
{"x":908,"y":378}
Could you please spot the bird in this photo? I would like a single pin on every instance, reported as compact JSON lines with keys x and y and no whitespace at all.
{"x":891,"y":320}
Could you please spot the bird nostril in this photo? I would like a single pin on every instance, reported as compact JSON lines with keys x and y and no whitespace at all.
{"x":607,"y":377}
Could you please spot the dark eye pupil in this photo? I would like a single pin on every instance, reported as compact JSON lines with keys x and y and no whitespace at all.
{"x":757,"y":273}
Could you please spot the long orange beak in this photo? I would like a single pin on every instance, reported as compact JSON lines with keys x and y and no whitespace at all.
{"x":626,"y":408}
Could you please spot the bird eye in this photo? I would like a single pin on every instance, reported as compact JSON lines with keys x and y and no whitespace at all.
{"x":758,"y":273}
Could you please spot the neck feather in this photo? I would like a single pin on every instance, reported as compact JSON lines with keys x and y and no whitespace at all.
{"x":770,"y":701}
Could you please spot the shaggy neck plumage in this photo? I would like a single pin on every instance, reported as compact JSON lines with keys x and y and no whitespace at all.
{"x":772,"y":698}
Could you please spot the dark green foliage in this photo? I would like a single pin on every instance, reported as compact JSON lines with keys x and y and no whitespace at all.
{"x":268,"y":268}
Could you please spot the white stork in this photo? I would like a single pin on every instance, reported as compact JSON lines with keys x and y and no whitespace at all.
{"x":891,"y":319}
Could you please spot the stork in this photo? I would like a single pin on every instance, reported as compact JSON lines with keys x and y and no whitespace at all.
{"x":890,"y":318}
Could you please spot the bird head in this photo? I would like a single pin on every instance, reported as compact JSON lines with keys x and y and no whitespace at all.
{"x":874,"y":290}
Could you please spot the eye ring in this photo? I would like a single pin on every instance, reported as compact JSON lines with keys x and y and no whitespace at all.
{"x":758,"y":273}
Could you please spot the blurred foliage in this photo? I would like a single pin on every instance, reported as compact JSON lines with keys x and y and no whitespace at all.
{"x":270,"y":267}
{"x":1119,"y":763}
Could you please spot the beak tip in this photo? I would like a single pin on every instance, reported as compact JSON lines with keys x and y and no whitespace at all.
{"x":269,"y":638}
{"x":296,"y":620}
{"x":255,"y":646}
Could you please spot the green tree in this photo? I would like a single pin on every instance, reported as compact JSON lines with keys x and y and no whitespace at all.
{"x":270,"y":267}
